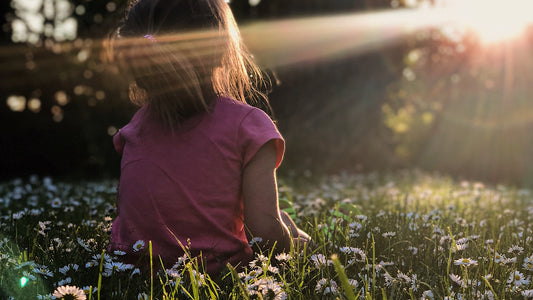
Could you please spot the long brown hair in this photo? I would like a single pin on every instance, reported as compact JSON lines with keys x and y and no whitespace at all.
{"x":179,"y":54}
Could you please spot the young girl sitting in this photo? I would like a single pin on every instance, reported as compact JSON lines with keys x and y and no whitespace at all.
{"x":198,"y":162}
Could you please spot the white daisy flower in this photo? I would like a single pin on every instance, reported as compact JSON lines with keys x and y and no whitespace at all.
{"x":64,"y":281}
{"x":86,"y":289}
{"x":498,"y":257}
{"x":56,"y":203}
{"x":389,"y":234}
{"x":388,"y":279}
{"x":43,"y":270}
{"x":283,"y":257}
{"x":527,"y":294}
{"x":72,"y":292}
{"x":518,"y":279}
{"x":427,"y":295}
{"x":320,"y":260}
{"x":326,"y":287}
{"x":272,"y":269}
{"x":465,"y":262}
{"x":402,"y":276}
{"x":346,"y":250}
{"x":457,"y":279}
{"x":90,"y":264}
{"x":515,"y":249}
{"x":117,"y":266}
{"x":528,"y":263}
{"x":138,"y":246}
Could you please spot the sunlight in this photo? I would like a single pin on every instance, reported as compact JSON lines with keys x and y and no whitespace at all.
{"x":493,"y":20}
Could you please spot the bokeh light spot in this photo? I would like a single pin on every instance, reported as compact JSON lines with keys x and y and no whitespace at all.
{"x":254,"y":2}
{"x":100,"y":95}
{"x":111,"y":6}
{"x":61,"y":98}
{"x":57,"y":113}
{"x":111,"y":130}
{"x":34,"y":104}
{"x":16,"y":103}
{"x":80,"y":10}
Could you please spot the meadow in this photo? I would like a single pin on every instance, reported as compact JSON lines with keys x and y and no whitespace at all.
{"x":407,"y":235}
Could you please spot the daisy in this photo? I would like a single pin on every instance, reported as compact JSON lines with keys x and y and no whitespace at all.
{"x":91,"y":264}
{"x":354,"y":283}
{"x":360,"y":255}
{"x":73,"y":292}
{"x":389,"y":234}
{"x":460,"y":247}
{"x":404,"y":277}
{"x":527,"y":294}
{"x":173,"y":273}
{"x":498,"y":257}
{"x":457,"y":279}
{"x":511,"y":260}
{"x":518,"y":279}
{"x":515,"y":250}
{"x":117,"y":266}
{"x":414,"y":250}
{"x":136,"y":271}
{"x":528,"y":263}
{"x":82,"y":243}
{"x":346,"y":250}
{"x":251,"y":275}
{"x":427,"y":295}
{"x":43,"y":270}
{"x":269,"y":289}
{"x":319,"y":260}
{"x":64,"y":281}
{"x":56,"y":203}
{"x":326,"y":287}
{"x":388,"y":279}
{"x":87,"y":289}
{"x":139,"y":245}
{"x":283,"y":257}
{"x":465,"y":262}
{"x":272,"y":269}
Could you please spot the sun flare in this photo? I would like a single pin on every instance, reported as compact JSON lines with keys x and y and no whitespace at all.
{"x":493,"y":20}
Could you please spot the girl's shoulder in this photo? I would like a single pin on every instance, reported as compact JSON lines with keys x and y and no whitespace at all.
{"x":231,"y":106}
{"x":236,"y":110}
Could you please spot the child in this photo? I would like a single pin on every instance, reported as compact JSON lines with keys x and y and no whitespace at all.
{"x":198,"y":162}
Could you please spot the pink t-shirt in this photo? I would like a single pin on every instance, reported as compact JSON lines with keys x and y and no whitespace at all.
{"x":187,"y":185}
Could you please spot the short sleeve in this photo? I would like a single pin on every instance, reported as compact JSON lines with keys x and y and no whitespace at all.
{"x":256,"y":130}
{"x":118,"y":142}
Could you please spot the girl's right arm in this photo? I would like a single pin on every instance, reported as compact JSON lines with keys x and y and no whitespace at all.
{"x":262,"y":216}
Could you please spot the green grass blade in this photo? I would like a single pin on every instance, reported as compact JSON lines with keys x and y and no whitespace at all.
{"x":343,"y":278}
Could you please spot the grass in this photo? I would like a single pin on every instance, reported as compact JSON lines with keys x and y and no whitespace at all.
{"x":408,"y":235}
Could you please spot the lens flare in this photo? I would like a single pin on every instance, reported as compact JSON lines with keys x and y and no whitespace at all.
{"x":23,"y":281}
{"x":494,"y":20}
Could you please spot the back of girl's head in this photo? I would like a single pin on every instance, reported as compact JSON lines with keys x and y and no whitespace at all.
{"x":179,"y":54}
